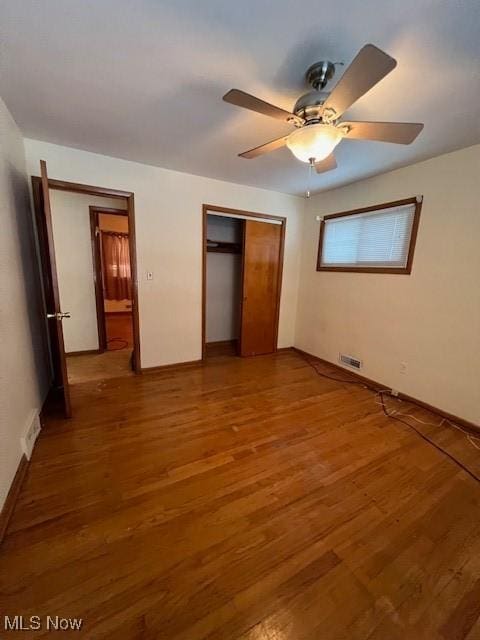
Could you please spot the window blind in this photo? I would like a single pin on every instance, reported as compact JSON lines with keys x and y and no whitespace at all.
{"x":378,"y":238}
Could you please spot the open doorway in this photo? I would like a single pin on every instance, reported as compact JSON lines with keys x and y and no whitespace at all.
{"x":85,"y":344}
{"x":110,"y":239}
{"x":91,"y":239}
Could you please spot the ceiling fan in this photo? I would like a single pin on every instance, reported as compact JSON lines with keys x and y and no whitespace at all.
{"x":316,"y":114}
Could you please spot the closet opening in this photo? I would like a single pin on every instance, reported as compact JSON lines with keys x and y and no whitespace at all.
{"x":242,"y":274}
{"x":223,"y":285}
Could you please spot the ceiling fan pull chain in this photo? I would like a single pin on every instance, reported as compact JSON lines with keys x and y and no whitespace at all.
{"x":311,"y":164}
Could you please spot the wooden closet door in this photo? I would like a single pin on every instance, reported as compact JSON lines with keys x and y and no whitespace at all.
{"x":262,"y":257}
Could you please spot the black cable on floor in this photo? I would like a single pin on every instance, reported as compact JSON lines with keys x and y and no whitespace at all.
{"x":116,"y":340}
{"x":427,"y":439}
{"x":381,"y":393}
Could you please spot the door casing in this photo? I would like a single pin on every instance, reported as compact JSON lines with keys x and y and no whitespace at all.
{"x":229,"y":212}
{"x":129,"y":196}
{"x":95,"y":211}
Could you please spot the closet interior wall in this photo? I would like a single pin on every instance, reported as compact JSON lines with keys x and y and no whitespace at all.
{"x":224,"y":279}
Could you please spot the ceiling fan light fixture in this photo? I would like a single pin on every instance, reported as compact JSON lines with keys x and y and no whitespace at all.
{"x":315,"y":141}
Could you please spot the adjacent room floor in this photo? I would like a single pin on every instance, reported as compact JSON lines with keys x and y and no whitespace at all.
{"x":113,"y":363}
{"x":99,"y":366}
{"x":245,"y":498}
{"x":119,"y":330}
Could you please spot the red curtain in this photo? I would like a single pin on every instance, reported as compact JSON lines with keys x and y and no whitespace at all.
{"x":117,"y":278}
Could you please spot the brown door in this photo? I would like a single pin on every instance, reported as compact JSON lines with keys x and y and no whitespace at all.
{"x":52,"y":298}
{"x":261,"y":287}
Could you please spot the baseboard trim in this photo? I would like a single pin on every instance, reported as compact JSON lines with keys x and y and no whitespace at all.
{"x":466,"y":424}
{"x":172,"y":367}
{"x":469,"y":426}
{"x":219,"y":343}
{"x":86,"y":352}
{"x":371,"y":383}
{"x":12,"y":496}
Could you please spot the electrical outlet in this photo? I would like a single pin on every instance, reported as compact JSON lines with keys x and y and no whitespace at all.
{"x":403,"y":368}
{"x":149,"y":275}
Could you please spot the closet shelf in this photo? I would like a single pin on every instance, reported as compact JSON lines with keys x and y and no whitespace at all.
{"x":219,"y":246}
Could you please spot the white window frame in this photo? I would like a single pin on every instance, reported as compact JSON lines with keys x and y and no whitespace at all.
{"x":355,"y":268}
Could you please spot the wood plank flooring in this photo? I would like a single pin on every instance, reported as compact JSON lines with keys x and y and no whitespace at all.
{"x":244,"y":499}
{"x":223,"y":348}
{"x":119,"y":328}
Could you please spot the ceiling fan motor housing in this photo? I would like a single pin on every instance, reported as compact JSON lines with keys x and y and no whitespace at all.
{"x":310,"y":106}
{"x":320,"y":73}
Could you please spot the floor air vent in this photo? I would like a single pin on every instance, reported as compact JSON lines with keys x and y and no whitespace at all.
{"x":350,"y":361}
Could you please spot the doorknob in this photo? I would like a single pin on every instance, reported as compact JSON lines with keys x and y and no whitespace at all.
{"x":59,"y":316}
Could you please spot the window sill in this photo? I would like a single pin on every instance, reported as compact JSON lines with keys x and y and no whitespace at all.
{"x":393,"y":270}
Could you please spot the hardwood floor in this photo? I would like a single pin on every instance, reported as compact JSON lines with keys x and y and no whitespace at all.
{"x":223,"y":348}
{"x":119,"y":328}
{"x":244,"y":498}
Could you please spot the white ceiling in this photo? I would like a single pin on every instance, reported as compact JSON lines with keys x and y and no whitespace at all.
{"x":143,"y":79}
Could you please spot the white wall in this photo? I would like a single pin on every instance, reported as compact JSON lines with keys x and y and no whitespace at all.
{"x":23,"y":372}
{"x":168,"y":211}
{"x":429,"y":319}
{"x":73,"y":253}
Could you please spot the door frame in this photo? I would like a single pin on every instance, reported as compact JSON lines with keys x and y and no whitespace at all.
{"x":95,"y":210}
{"x":75,"y":187}
{"x":229,"y":212}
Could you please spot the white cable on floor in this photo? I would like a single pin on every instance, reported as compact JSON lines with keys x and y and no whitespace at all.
{"x":471,"y":439}
{"x":379,"y":393}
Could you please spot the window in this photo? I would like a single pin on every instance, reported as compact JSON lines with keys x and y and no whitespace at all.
{"x":378,"y":239}
{"x":117,"y":280}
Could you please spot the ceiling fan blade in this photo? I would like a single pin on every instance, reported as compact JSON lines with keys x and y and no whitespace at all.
{"x":369,"y":66}
{"x":245,"y":100}
{"x":327,"y":164}
{"x":398,"y":132}
{"x":264,"y":148}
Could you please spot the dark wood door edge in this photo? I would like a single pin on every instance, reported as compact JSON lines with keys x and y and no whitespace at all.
{"x":97,"y":279}
{"x":53,"y":309}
